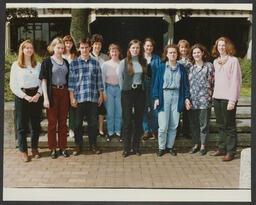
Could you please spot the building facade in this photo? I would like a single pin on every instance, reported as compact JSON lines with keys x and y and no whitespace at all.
{"x":165,"y":23}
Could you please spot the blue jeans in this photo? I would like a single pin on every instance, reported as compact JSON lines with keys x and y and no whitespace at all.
{"x":168,"y":119}
{"x":114,"y":109}
{"x":150,"y":121}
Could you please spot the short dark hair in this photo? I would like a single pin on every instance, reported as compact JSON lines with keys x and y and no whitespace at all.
{"x":164,"y":57}
{"x":96,"y":38}
{"x":84,"y":41}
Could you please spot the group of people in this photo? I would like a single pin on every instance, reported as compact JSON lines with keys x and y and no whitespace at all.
{"x":142,"y":95}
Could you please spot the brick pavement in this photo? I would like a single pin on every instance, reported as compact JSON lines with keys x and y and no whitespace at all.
{"x":110,"y":170}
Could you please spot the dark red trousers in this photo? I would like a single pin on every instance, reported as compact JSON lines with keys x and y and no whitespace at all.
{"x":57,"y":115}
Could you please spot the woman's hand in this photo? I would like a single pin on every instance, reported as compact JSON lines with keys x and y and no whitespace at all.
{"x":188,"y":104}
{"x":73,"y":102}
{"x":105,"y":97}
{"x":46,"y":103}
{"x":28,"y":98}
{"x":36,"y":97}
{"x":230,"y":106}
{"x":156,"y":104}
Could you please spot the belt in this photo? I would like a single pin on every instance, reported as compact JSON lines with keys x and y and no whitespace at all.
{"x":135,"y":86}
{"x":29,"y":89}
{"x":59,"y":86}
{"x":170,"y":89}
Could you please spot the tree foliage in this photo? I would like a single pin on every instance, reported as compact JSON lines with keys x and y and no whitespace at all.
{"x":14,"y":14}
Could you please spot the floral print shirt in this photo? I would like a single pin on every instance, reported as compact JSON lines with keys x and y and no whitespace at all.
{"x":201,"y":83}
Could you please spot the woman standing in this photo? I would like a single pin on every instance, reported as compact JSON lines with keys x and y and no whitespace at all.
{"x":150,"y":124}
{"x":97,"y":41}
{"x":54,"y":76}
{"x":26,"y":87}
{"x":112,"y":92}
{"x":228,"y":82}
{"x":170,"y":91}
{"x":131,"y":76}
{"x":184,"y":48}
{"x":70,"y":54}
{"x":201,"y":82}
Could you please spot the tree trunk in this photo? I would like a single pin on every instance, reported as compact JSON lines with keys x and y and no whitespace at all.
{"x":79,"y":24}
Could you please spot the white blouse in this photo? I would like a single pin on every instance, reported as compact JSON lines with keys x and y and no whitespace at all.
{"x":24,"y":78}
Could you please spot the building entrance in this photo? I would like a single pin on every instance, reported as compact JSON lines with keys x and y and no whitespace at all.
{"x":123,"y":29}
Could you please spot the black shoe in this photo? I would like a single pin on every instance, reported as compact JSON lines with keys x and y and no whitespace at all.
{"x":101,"y":134}
{"x":171,"y":151}
{"x":125,"y":154}
{"x":64,"y":153}
{"x":119,"y":137}
{"x":202,"y":152}
{"x":160,"y":152}
{"x":109,"y":137}
{"x":193,"y":150}
{"x":53,"y":154}
{"x":137,"y":152}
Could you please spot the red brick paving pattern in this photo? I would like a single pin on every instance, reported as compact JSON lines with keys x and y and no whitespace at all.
{"x":110,"y":170}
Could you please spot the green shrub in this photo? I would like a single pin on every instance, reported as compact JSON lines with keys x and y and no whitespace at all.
{"x":9,"y":59}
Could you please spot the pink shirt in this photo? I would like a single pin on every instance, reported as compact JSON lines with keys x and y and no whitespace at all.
{"x":228,"y":80}
{"x":109,"y":73}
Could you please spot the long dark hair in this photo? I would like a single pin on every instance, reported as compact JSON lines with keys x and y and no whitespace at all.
{"x":142,"y":60}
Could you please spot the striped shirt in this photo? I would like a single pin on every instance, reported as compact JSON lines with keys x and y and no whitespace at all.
{"x":85,"y":79}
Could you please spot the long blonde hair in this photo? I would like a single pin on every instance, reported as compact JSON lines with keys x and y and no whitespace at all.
{"x":54,"y":43}
{"x":21,"y":60}
{"x":142,"y":60}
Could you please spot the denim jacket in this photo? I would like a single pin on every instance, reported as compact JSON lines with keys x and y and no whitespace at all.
{"x":158,"y":87}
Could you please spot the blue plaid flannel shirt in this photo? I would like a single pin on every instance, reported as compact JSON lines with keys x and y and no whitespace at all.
{"x":85,"y":79}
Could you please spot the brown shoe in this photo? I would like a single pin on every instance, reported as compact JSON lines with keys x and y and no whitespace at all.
{"x":155,"y":135}
{"x":145,"y":136}
{"x":35,"y":153}
{"x":217,"y":153}
{"x":24,"y":156}
{"x":95,"y":149}
{"x":228,"y":157}
{"x":77,"y":151}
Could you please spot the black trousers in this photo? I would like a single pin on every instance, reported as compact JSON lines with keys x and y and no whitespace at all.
{"x":132,"y":99}
{"x":28,"y":113}
{"x":88,"y":110}
{"x":226,"y":123}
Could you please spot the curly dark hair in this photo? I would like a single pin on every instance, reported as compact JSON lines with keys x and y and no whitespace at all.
{"x":205,"y":57}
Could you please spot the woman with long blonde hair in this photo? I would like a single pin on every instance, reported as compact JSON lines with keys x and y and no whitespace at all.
{"x":54,"y":76}
{"x":26,"y":87}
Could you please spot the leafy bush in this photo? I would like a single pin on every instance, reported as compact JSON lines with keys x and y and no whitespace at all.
{"x":9,"y":59}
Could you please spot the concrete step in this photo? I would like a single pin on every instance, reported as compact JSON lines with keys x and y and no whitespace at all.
{"x":244,"y":140}
{"x":243,"y":125}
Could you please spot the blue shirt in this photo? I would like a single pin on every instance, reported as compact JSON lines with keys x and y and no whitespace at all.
{"x":158,"y":87}
{"x":85,"y":79}
{"x":171,"y":77}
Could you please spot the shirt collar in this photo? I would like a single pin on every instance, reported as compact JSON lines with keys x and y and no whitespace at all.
{"x":80,"y":58}
{"x":172,"y":69}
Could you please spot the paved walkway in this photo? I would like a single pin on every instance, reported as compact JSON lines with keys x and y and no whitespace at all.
{"x":111,"y":170}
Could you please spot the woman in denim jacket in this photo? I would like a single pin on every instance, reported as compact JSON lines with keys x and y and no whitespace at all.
{"x":170,"y":92}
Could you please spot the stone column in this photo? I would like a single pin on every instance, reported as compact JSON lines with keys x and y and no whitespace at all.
{"x":245,"y":169}
{"x":9,"y":126}
{"x":169,"y":36}
{"x":249,"y":49}
{"x":7,"y":36}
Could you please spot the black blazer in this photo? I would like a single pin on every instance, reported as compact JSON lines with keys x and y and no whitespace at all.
{"x":46,"y":73}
